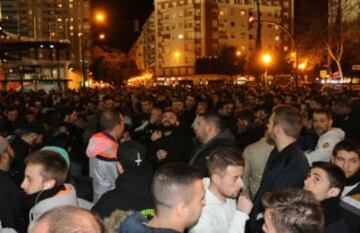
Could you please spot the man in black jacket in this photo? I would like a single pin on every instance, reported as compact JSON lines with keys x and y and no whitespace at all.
{"x":287,"y":166}
{"x":210,"y":131}
{"x":132,"y":191}
{"x":172,"y":142}
{"x":10,"y":195}
{"x":326,"y":181}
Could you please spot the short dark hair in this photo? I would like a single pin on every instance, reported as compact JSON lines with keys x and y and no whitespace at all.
{"x":246,"y":115}
{"x":173,"y":182}
{"x":326,"y":112}
{"x":335,"y":174}
{"x":289,"y":118}
{"x":69,"y":219}
{"x":53,"y":165}
{"x":347,"y":145}
{"x":109,"y":120}
{"x":294,"y":211}
{"x":220,"y":158}
{"x":214,"y":119}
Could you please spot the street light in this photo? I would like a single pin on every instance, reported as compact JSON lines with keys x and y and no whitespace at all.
{"x":295,"y":53}
{"x":100,"y":17}
{"x":266,"y":59}
{"x":102,"y":36}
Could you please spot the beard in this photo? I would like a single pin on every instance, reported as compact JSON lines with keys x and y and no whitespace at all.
{"x":269,"y":138}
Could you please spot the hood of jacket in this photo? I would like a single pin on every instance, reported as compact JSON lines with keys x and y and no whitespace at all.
{"x":335,"y":132}
{"x":67,"y":197}
{"x":137,"y":184}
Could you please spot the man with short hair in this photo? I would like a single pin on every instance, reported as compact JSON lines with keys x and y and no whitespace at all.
{"x":68,"y":219}
{"x":224,"y":210}
{"x":292,"y":211}
{"x":346,"y":155}
{"x":44,"y":183}
{"x":328,"y":136}
{"x":171,"y":143}
{"x":102,"y":151}
{"x":178,"y":195}
{"x":210,"y":131}
{"x":326,"y":181}
{"x":287,"y":166}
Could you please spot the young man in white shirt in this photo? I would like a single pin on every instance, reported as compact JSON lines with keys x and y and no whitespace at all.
{"x":224,"y":210}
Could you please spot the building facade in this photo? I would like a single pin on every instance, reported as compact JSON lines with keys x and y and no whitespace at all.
{"x":184,"y":30}
{"x":48,"y":20}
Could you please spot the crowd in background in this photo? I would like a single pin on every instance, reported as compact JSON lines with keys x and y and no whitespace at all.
{"x":109,"y":143}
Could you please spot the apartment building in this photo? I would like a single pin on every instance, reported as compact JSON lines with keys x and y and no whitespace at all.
{"x":184,"y":30}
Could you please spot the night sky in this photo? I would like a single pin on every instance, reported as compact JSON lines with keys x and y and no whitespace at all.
{"x":120,"y":17}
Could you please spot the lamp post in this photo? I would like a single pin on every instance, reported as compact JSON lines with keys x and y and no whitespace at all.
{"x":294,"y":45}
{"x":99,"y":19}
{"x":266,"y":59}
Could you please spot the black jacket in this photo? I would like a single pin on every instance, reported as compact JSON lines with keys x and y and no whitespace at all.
{"x":334,"y":221}
{"x":350,"y":212}
{"x":11,"y":209}
{"x":21,"y":149}
{"x":132,"y":192}
{"x":178,"y":145}
{"x":286,"y":169}
{"x":199,"y":158}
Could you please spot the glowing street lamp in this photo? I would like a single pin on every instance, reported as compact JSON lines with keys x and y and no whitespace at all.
{"x":266,"y":59}
{"x":100,"y":17}
{"x":302,"y":66}
{"x":102,"y":36}
{"x":238,"y":53}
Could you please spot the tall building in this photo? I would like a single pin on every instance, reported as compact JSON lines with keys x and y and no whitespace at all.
{"x":184,"y":30}
{"x":48,"y":20}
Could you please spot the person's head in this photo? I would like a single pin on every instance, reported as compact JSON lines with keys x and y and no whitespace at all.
{"x":156,"y":115}
{"x":169,"y":118}
{"x":285,"y":122}
{"x":68,"y":219}
{"x":12,"y":114}
{"x":201,"y":107}
{"x":245,"y":118}
{"x":322,"y":121}
{"x":292,"y":211}
{"x":112,"y":122}
{"x":207,"y":126}
{"x":190,"y":101}
{"x":146,"y":105}
{"x":226,"y":108}
{"x":178,"y":193}
{"x":226,"y":168}
{"x":131,"y":158}
{"x":7,"y":154}
{"x":44,"y":170}
{"x":178,"y":106}
{"x":346,"y":155}
{"x":108,"y":103}
{"x":342,"y":107}
{"x":325,"y":180}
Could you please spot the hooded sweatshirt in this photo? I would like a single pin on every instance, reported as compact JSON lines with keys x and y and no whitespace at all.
{"x":325,"y":145}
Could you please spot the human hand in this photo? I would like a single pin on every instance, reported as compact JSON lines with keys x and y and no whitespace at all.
{"x":244,"y":204}
{"x":161,"y":154}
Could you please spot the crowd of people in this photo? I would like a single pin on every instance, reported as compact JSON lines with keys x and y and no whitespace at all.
{"x":180,"y":159}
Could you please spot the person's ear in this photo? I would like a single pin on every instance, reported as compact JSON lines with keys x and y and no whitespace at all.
{"x":333,"y":192}
{"x":49,"y":184}
{"x":215,"y":178}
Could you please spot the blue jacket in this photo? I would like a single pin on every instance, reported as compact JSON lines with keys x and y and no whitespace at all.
{"x":135,"y":224}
